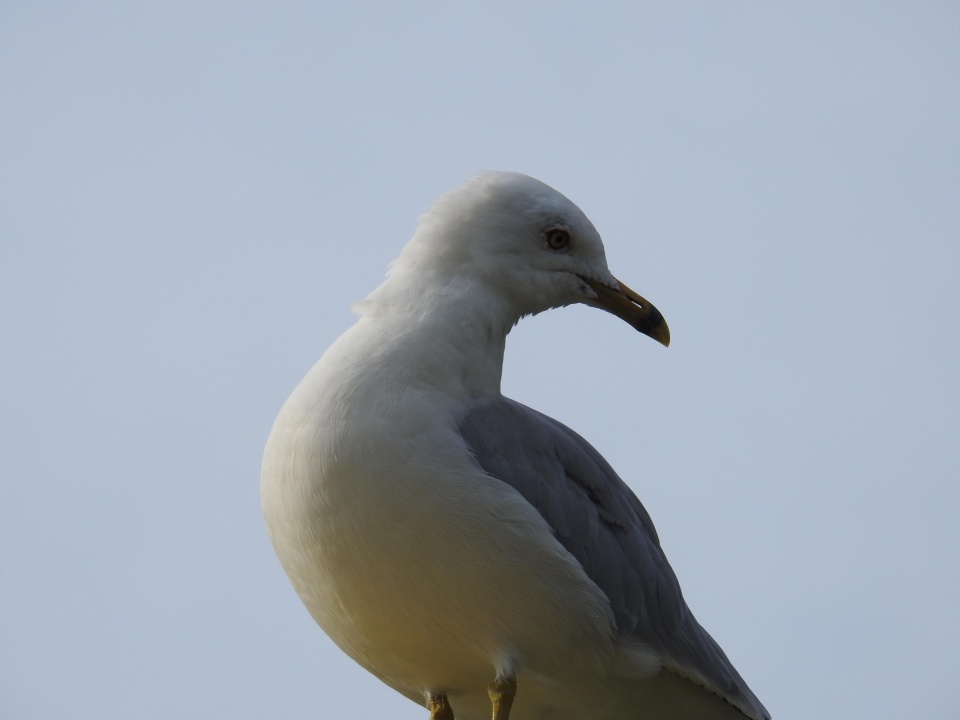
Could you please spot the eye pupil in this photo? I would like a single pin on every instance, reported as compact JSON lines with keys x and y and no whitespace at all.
{"x":558,"y":239}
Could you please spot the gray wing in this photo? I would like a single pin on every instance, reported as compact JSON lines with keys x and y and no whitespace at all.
{"x":604,"y":526}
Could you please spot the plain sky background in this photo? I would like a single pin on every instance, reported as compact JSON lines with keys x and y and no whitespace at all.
{"x":193,"y":193}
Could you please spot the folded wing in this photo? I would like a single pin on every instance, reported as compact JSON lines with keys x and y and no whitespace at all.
{"x":599,"y":520}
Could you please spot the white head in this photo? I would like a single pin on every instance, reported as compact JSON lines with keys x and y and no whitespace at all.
{"x":507,"y":239}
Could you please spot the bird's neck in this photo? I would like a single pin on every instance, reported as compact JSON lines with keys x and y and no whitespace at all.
{"x":449,"y":345}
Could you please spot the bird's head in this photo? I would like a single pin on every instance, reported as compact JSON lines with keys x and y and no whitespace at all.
{"x":507,"y":236}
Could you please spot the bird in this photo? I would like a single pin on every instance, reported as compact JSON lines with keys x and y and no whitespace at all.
{"x":472,"y":553}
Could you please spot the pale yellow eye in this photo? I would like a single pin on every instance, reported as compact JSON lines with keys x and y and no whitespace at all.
{"x":558,"y":239}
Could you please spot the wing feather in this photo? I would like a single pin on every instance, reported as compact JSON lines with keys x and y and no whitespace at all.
{"x":599,"y":520}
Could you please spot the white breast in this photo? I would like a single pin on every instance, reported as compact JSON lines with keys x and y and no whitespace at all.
{"x":426,"y":571}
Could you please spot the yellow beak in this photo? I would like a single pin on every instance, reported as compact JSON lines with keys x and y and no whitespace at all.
{"x":631,"y":307}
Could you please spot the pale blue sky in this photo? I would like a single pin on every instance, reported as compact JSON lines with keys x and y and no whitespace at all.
{"x":192,"y":194}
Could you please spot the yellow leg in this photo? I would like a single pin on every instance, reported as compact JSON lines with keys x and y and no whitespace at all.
{"x":502,"y":692}
{"x":439,"y":707}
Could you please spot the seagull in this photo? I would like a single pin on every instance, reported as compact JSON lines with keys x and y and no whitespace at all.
{"x":473,"y":554}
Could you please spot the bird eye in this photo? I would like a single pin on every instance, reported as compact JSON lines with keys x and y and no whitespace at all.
{"x":558,"y":239}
